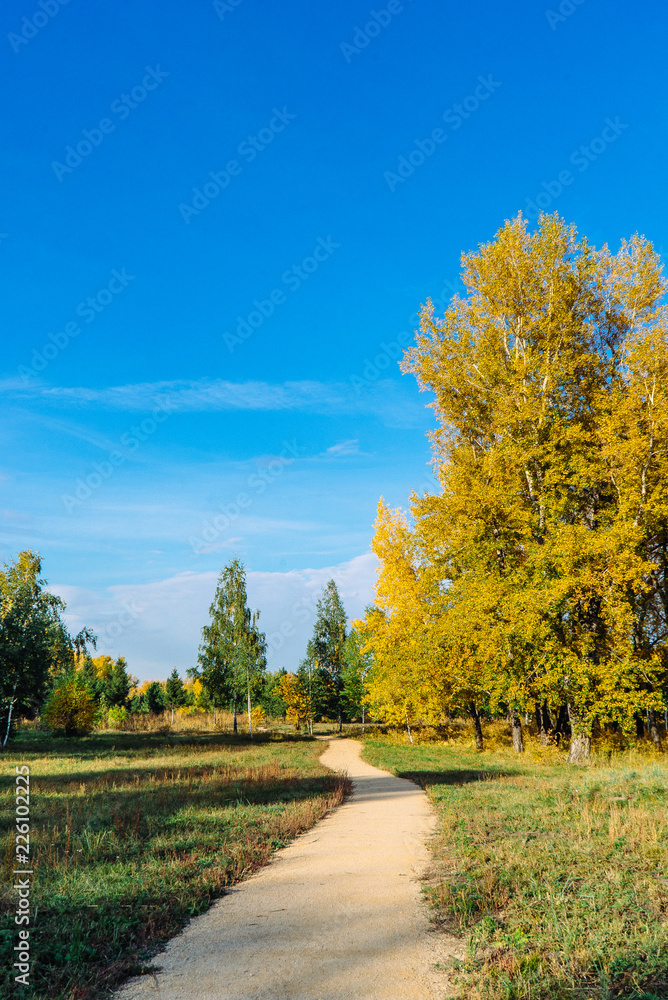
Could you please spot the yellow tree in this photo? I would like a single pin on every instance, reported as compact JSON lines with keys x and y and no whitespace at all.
{"x":295,"y":694}
{"x":536,"y":575}
{"x":420,"y":673}
{"x":546,"y":548}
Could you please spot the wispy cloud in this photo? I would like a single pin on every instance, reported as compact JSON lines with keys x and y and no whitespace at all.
{"x":387,"y":398}
{"x":350,"y":447}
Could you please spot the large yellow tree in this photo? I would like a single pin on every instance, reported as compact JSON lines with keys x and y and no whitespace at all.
{"x":542,"y":558}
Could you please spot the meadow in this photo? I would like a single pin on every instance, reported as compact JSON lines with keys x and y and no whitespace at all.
{"x":554,"y":876}
{"x":132,"y":834}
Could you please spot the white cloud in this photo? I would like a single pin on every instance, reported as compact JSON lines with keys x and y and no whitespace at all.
{"x":156,"y":626}
{"x":386,"y":398}
{"x":350,"y":447}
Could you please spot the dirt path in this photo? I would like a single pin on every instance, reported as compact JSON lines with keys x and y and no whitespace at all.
{"x":336,"y":916}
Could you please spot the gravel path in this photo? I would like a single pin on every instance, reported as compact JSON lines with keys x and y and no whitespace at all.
{"x":336,"y":916}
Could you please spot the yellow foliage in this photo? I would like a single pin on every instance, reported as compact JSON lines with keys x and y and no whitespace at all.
{"x":103,"y":666}
{"x":296,"y":697}
{"x":70,"y":709}
{"x":538,"y":571}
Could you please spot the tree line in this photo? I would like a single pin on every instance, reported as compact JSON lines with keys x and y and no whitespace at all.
{"x":533,"y":580}
{"x":48,"y":675}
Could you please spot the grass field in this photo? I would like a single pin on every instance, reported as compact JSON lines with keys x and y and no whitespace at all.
{"x":556,"y":876}
{"x":132,"y":834}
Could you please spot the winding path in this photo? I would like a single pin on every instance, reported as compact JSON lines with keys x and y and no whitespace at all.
{"x":337,"y":915}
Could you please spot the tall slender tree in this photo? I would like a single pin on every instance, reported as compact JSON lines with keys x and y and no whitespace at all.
{"x":327,"y":648}
{"x":232,"y":656}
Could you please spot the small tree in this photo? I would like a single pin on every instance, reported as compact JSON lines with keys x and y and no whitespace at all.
{"x":294,"y":693}
{"x":175,"y":692}
{"x":70,"y":708}
{"x":155,"y":698}
{"x":118,"y":684}
{"x":270,"y":698}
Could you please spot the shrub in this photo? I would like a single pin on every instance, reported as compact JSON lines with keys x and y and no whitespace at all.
{"x":117,"y":716}
{"x":70,"y":709}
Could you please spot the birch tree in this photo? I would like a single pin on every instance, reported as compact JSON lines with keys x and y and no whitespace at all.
{"x":232,"y":656}
{"x":539,"y":565}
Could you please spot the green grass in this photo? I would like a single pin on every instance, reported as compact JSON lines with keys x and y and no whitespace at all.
{"x":555,"y":876}
{"x":132,"y":834}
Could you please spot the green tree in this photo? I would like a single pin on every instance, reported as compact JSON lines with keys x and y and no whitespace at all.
{"x":34,"y":642}
{"x":270,"y":698}
{"x":232,"y":656}
{"x":175,"y":693}
{"x":315,"y":689}
{"x":326,"y":649}
{"x":155,"y":698}
{"x":357,"y":663}
{"x":118,"y":684}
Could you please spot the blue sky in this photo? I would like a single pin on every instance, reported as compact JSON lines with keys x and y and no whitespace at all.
{"x":220,"y":220}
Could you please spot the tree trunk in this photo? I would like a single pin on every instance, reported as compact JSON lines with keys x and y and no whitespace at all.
{"x":544,"y":722}
{"x":580,"y":739}
{"x":234,"y":717}
{"x":9,"y":718}
{"x":172,"y":722}
{"x":516,"y":724}
{"x":362,"y":720}
{"x":410,"y":735}
{"x":654,"y":729}
{"x":250,"y":721}
{"x":475,"y":715}
{"x":214,"y":716}
{"x":562,"y":722}
{"x":640,"y":726}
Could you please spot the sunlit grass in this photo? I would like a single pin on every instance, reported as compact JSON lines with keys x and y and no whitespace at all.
{"x":555,"y":876}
